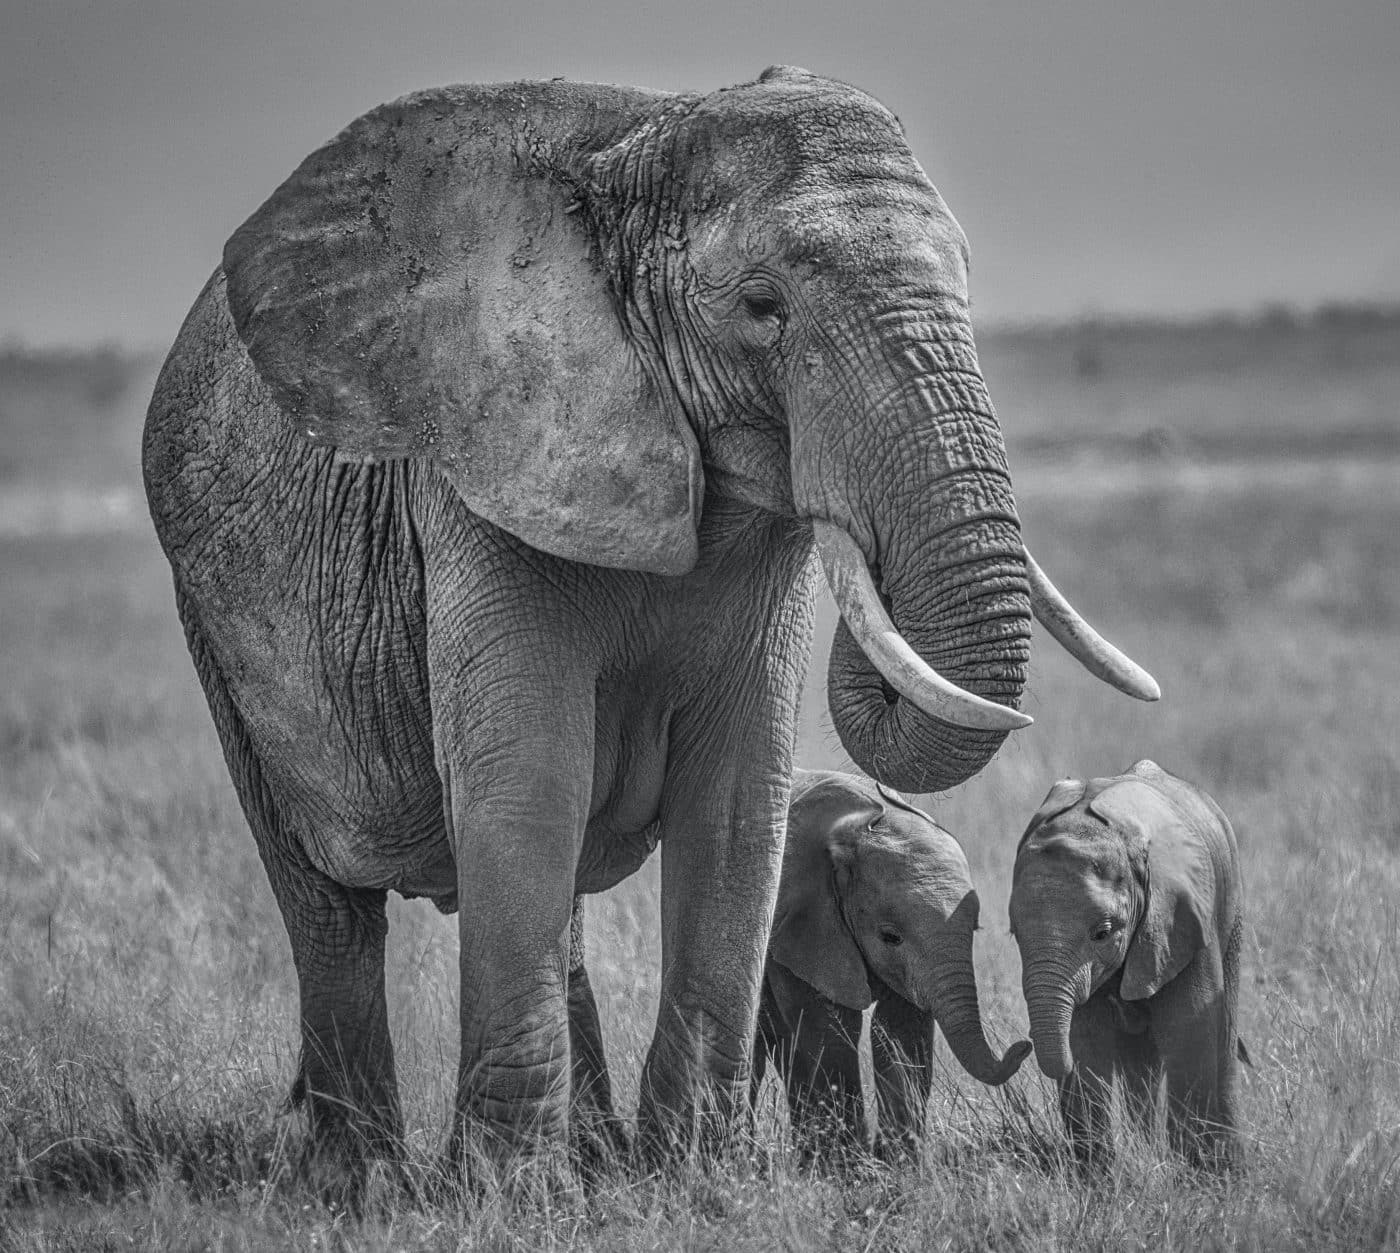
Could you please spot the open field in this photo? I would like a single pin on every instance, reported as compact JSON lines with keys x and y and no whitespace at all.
{"x":1222,"y":501}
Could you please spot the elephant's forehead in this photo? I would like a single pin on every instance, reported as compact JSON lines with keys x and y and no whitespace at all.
{"x":1064,"y":882}
{"x":1076,"y":844}
{"x":874,"y":233}
{"x":793,"y":140}
{"x":917,"y":857}
{"x":818,"y":118}
{"x":929,"y":843}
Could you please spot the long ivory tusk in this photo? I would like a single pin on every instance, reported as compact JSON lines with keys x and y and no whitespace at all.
{"x":909,"y":674}
{"x":1082,"y":642}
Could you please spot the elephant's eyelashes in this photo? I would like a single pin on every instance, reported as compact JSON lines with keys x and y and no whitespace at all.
{"x":888,"y":935}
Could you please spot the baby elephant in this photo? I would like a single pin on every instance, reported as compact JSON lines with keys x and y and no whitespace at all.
{"x":875,"y":906}
{"x":1127,"y":908}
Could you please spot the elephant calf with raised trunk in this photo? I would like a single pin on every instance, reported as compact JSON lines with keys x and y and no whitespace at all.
{"x":490,"y":465}
{"x":1127,"y":906}
{"x":875,"y":907}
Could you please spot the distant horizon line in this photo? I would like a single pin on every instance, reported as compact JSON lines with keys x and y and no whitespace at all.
{"x":1266,"y":313}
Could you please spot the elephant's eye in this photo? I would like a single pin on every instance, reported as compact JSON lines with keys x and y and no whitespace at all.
{"x":1108,"y":927}
{"x":761,"y":305}
{"x":888,"y":935}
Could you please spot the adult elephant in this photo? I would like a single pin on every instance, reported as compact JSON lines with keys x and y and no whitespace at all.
{"x":488,"y":466}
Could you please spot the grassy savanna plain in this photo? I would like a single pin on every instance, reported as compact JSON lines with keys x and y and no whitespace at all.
{"x":1223,"y":500}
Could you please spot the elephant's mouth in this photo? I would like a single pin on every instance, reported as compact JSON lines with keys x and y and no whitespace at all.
{"x":858,"y":598}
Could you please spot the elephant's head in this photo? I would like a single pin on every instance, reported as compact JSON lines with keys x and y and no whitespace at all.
{"x":592,"y":307}
{"x":1110,"y":876}
{"x":871,"y":885}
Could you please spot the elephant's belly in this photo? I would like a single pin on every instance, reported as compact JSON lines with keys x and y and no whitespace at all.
{"x":380,"y":826}
{"x":631,"y":741}
{"x":609,"y":856}
{"x":405,"y":849}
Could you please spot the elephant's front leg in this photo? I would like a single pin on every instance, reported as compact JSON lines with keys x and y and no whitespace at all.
{"x":901,"y":1048}
{"x":723,"y":816}
{"x":517,"y":792}
{"x":1087,"y":1091}
{"x":815,"y":1046}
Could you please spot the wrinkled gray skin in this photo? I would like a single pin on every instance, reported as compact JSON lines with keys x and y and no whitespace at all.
{"x":486,"y":467}
{"x":1127,"y":907}
{"x":875,"y":907}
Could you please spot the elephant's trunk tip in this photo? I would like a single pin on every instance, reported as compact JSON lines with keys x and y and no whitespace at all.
{"x":1054,"y":1063}
{"x":1011,"y":1062}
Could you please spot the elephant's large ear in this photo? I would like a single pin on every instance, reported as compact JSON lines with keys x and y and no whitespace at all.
{"x":423,"y":285}
{"x":1062,"y":795}
{"x":810,"y":937}
{"x":1180,"y":909}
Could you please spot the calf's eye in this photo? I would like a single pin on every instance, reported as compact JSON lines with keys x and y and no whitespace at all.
{"x":888,"y":935}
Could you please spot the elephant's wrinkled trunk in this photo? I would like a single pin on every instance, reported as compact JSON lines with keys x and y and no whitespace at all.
{"x":955,"y":1006}
{"x":965,"y":611}
{"x":1050,"y":1001}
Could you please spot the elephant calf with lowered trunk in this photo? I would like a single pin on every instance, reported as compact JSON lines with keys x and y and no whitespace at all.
{"x":1127,"y":907}
{"x":875,"y":907}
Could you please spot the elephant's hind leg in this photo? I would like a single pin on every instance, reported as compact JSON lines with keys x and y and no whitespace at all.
{"x":1198,"y":1055}
{"x":346,"y":1075}
{"x":595,"y":1129}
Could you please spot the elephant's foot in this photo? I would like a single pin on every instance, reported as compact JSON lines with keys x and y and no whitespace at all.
{"x":1091,"y":1157}
{"x":897,"y":1148}
{"x":356,"y":1183}
{"x":354,"y":1146}
{"x":1209,"y":1147}
{"x":829,"y":1145}
{"x":532,"y":1176}
{"x":600,"y":1146}
{"x":511,"y":1133}
{"x":695,"y":1094}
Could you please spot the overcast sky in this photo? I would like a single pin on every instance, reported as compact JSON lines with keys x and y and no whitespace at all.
{"x":1102,"y":155}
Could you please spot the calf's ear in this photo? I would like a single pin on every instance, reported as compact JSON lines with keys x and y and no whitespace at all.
{"x":1063,"y":794}
{"x":810,"y":936}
